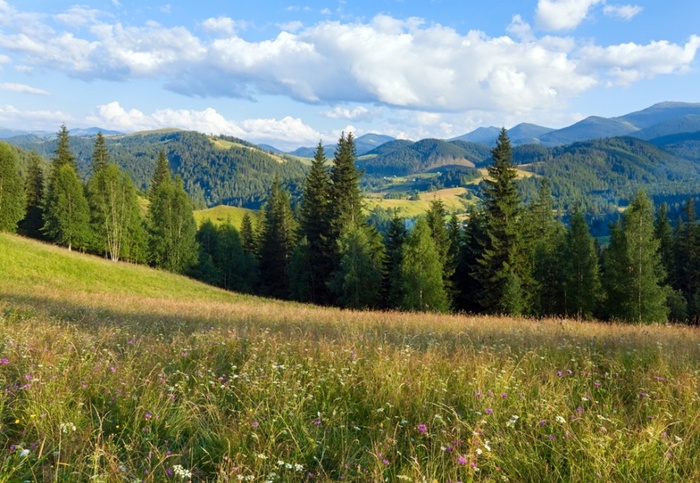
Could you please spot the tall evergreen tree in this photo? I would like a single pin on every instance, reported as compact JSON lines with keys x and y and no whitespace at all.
{"x":172,"y":229}
{"x":688,"y":261}
{"x":345,"y":197}
{"x":33,"y":221}
{"x":422,"y":272}
{"x":207,"y":269}
{"x":467,"y":286}
{"x":395,"y":238}
{"x":581,"y":276}
{"x":248,"y":235}
{"x":501,"y":258}
{"x":12,"y":203}
{"x":67,"y":213}
{"x":63,"y":154}
{"x":634,"y":272}
{"x":315,"y":226}
{"x":100,"y":155}
{"x":435,"y":217}
{"x":161,"y":173}
{"x":277,"y":240}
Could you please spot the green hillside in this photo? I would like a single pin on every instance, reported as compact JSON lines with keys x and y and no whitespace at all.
{"x":222,"y":214}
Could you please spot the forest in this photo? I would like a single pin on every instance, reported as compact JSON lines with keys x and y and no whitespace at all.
{"x":509,"y":257}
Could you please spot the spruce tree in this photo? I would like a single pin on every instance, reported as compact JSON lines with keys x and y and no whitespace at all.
{"x":467,"y":286}
{"x":688,"y":261}
{"x":421,"y":272}
{"x":395,"y":238}
{"x":315,"y":227}
{"x":579,"y":263}
{"x":501,"y":259}
{"x":67,"y":213}
{"x":100,"y":156}
{"x":33,"y":221}
{"x":12,"y":201}
{"x":208,"y":270}
{"x":277,"y":240}
{"x":664,"y":234}
{"x":63,"y":154}
{"x":435,"y":217}
{"x":345,"y":197}
{"x":161,"y":173}
{"x":248,"y":239}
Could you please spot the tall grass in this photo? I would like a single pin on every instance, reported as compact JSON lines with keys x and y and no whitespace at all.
{"x":131,"y":378}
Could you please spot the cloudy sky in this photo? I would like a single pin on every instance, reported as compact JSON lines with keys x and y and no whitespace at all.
{"x":291,"y":72}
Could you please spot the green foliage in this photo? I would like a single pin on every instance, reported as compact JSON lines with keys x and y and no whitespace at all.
{"x":346,"y":201}
{"x":421,"y":272}
{"x":579,"y":264}
{"x":277,"y":240}
{"x":100,"y":155}
{"x":66,"y":209}
{"x":12,"y":200}
{"x":172,"y":230}
{"x":392,"y":285}
{"x":357,"y":281}
{"x":633,"y":270}
{"x":33,"y":221}
{"x":63,"y":154}
{"x":687,"y":261}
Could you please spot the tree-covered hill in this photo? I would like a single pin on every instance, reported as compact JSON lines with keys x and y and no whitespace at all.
{"x":221,"y":170}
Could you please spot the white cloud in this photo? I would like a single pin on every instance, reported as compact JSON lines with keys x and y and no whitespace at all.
{"x":291,"y":27}
{"x":287,"y":132}
{"x":223,"y":25}
{"x":32,"y":120}
{"x":520,"y":29}
{"x":626,"y":12}
{"x":4,"y":59}
{"x":627,"y":63}
{"x":21,"y":88}
{"x":78,"y":16}
{"x":358,"y":113}
{"x":563,"y":14}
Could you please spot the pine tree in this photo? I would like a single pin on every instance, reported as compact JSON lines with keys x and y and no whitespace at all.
{"x":67,"y":213}
{"x":100,"y":156}
{"x":208,"y":270}
{"x":277,"y":240}
{"x":161,"y":173}
{"x":664,"y":234}
{"x":357,"y":282}
{"x":435,"y":217}
{"x":579,"y":262}
{"x":345,"y":198}
{"x":115,"y":211}
{"x":688,"y":261}
{"x":172,"y":230}
{"x":634,"y":272}
{"x":395,"y":238}
{"x":421,"y":272}
{"x":33,"y":221}
{"x":501,"y":258}
{"x":12,"y":201}
{"x":315,"y":227}
{"x":467,"y":286}
{"x":63,"y":154}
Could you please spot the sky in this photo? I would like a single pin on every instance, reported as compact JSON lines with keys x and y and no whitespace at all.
{"x":292,"y":72}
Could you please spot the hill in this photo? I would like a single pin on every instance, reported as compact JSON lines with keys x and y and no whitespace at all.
{"x":363,"y":145}
{"x":215,"y":170}
{"x":118,"y":371}
{"x":222,"y":214}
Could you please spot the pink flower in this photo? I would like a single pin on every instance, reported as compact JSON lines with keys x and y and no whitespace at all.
{"x":422,"y":428}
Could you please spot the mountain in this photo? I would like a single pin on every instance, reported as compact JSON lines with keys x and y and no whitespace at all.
{"x":526,"y":133}
{"x":689,"y":123}
{"x":363,"y":145}
{"x":215,"y":170}
{"x":684,"y":145}
{"x":593,"y":127}
{"x":481,"y":135}
{"x":400,"y":158}
{"x":660,"y":113}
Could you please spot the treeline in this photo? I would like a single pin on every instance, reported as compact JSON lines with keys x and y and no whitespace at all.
{"x":508,"y":258}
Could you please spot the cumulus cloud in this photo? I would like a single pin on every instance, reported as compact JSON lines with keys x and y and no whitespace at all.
{"x":563,"y":14}
{"x":78,"y":16}
{"x":627,"y":63}
{"x":358,"y":113}
{"x":402,"y":63}
{"x":21,"y":88}
{"x":626,"y":12}
{"x":32,"y":120}
{"x":285,"y":132}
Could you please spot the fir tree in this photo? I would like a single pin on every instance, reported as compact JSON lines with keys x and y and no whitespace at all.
{"x":161,"y":173}
{"x":12,"y":201}
{"x":435,"y":217}
{"x":421,"y":272}
{"x":63,"y":154}
{"x":395,"y":238}
{"x":468,"y":288}
{"x":248,"y":238}
{"x":501,"y":259}
{"x":33,"y":221}
{"x":277,"y":241}
{"x":688,"y":261}
{"x":100,"y":156}
{"x":315,"y":225}
{"x":579,"y":262}
{"x":345,"y":198}
{"x":207,"y":269}
{"x":67,"y":213}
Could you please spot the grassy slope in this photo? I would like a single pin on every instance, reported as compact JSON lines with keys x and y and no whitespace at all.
{"x":113,"y":372}
{"x":222,"y":213}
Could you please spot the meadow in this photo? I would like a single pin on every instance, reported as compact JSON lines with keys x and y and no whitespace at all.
{"x":115,"y":372}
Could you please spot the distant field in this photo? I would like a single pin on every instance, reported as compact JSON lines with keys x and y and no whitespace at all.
{"x":452,"y":199}
{"x":222,"y":213}
{"x":115,"y":372}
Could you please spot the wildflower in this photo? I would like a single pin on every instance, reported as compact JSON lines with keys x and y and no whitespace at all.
{"x":4,"y":360}
{"x":462,"y":460}
{"x":255,"y":424}
{"x":317,"y":422}
{"x":579,"y":409}
{"x":596,"y":384}
{"x":24,"y":453}
{"x":513,"y":419}
{"x":28,"y":377}
{"x":488,"y":411}
{"x":559,"y":373}
{"x":182,"y":472}
{"x":543,"y":422}
{"x":552,"y":437}
{"x":67,"y":427}
{"x":504,"y":395}
{"x":422,"y":428}
{"x":560,"y":419}
{"x":148,"y":415}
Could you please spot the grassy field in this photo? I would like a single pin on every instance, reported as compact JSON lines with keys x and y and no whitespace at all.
{"x":452,"y":198}
{"x":222,"y":213}
{"x":113,"y":372}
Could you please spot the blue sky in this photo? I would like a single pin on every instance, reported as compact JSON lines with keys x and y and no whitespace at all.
{"x":289,"y":73}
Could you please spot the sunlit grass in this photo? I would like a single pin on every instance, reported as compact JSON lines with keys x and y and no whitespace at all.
{"x":226,"y":214}
{"x":114,"y":372}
